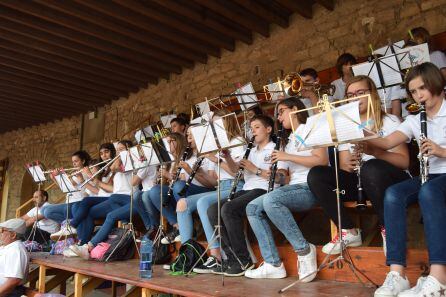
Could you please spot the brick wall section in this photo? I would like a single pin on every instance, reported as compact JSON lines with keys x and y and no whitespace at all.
{"x":316,"y":43}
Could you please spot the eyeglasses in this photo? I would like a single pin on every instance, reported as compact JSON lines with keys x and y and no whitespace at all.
{"x":357,"y":93}
{"x":171,"y":140}
{"x":282,"y":110}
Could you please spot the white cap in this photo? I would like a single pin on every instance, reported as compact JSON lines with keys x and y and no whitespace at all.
{"x":15,"y":225}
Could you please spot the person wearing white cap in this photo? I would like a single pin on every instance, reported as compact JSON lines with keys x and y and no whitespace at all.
{"x":13,"y":258}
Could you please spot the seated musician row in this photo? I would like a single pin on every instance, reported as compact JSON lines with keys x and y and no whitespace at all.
{"x":304,"y":179}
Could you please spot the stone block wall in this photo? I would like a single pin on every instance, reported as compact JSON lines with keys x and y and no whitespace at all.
{"x":317,"y":42}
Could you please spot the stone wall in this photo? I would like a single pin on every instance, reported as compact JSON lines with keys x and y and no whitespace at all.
{"x":351,"y":27}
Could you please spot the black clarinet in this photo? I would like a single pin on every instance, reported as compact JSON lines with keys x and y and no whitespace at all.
{"x":191,"y":177}
{"x":422,"y":157}
{"x":177,"y":175}
{"x":361,"y":202}
{"x":272,"y":177}
{"x":239,"y":173}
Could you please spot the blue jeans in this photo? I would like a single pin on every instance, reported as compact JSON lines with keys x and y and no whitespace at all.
{"x":201,"y":202}
{"x":86,"y":226}
{"x":83,"y":207}
{"x":278,"y":206}
{"x":58,"y":212}
{"x":146,"y":210}
{"x":432,"y":200}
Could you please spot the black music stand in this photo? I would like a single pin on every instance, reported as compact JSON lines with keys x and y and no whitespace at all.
{"x":330,"y":127}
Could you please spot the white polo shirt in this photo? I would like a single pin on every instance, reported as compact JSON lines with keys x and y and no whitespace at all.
{"x":261,"y":159}
{"x":390,"y":124}
{"x":340,"y":89}
{"x":191,"y":161}
{"x":105,"y":179}
{"x":122,"y":183}
{"x":438,"y":59}
{"x":80,"y":194}
{"x":298,"y":172}
{"x":148,"y":177}
{"x":47,"y":225}
{"x":436,"y":131}
{"x":14,"y":262}
{"x":236,"y":154}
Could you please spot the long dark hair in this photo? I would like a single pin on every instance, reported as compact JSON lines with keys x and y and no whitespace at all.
{"x":84,"y":156}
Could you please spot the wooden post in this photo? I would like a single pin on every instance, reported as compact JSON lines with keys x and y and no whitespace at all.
{"x":78,"y":286}
{"x":42,"y":278}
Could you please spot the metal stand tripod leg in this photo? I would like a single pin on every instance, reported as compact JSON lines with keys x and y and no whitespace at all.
{"x":340,"y":259}
{"x":160,"y":232}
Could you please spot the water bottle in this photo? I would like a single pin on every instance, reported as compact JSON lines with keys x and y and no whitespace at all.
{"x":145,"y":265}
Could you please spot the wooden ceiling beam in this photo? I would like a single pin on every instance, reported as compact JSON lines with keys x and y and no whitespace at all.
{"x":237,"y":14}
{"x":6,"y":101}
{"x":56,"y":26}
{"x":206,"y":18}
{"x":142,"y":22}
{"x":328,"y":4}
{"x":55,"y":75}
{"x":17,"y":88}
{"x":20,"y":113}
{"x":98,"y":89}
{"x":98,"y":19}
{"x":79,"y":93}
{"x":303,"y":7}
{"x":4,"y":115}
{"x":178,"y":23}
{"x":258,"y":9}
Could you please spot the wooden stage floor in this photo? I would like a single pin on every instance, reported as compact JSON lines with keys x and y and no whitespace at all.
{"x":198,"y":285}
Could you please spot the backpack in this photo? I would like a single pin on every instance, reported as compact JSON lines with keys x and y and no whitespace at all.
{"x":124,"y":251}
{"x":188,"y":255}
{"x":163,"y":253}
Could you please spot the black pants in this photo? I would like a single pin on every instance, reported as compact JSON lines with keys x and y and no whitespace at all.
{"x":17,"y":292}
{"x":376,"y":176}
{"x":232,"y":214}
{"x":40,"y":235}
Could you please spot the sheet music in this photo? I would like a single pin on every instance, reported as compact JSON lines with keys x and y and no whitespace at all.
{"x":275,"y":90}
{"x":205,"y":118}
{"x":368,"y":69}
{"x":149,"y":154}
{"x":386,"y":50}
{"x":243,"y":99}
{"x":165,"y":119}
{"x":139,"y":135}
{"x":64,"y":183}
{"x":203,"y":108}
{"x":132,"y":160}
{"x":316,"y":132}
{"x":389,"y":69}
{"x":37,"y":173}
{"x":417,"y":54}
{"x":204,"y":138}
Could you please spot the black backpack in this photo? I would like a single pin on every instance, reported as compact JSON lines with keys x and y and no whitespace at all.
{"x":121,"y":247}
{"x":188,"y":255}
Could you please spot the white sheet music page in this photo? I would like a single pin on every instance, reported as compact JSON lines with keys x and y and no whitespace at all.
{"x":64,"y":183}
{"x":275,"y":91}
{"x":244,"y":99}
{"x":417,"y":55}
{"x":368,"y":69}
{"x":346,"y":118}
{"x":37,"y":173}
{"x":203,"y":108}
{"x":390,"y":70}
{"x":138,"y":160}
{"x":165,"y":119}
{"x":385,"y":50}
{"x":149,"y":154}
{"x":139,"y":135}
{"x":204,"y":138}
{"x":126,"y":162}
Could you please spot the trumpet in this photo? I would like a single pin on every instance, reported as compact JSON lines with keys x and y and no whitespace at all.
{"x":295,"y":85}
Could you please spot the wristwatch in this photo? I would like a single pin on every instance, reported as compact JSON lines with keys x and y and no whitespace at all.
{"x":258,"y":172}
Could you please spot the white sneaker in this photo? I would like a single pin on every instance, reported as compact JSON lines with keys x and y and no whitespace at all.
{"x":415,"y":290}
{"x":266,"y":270}
{"x":430,"y":287}
{"x":393,"y":285}
{"x":69,"y":253}
{"x":65,"y":232}
{"x":307,"y":265}
{"x":81,"y":251}
{"x":334,"y":248}
{"x":383,"y":235}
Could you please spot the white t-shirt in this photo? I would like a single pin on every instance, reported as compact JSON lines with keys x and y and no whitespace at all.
{"x":340,"y":89}
{"x":261,"y":159}
{"x":390,"y":94}
{"x":236,"y":154}
{"x":191,"y":161}
{"x":105,"y":179}
{"x":438,"y":59}
{"x":79,"y":195}
{"x":298,"y":172}
{"x":307,"y":103}
{"x":148,"y":177}
{"x":390,"y":124}
{"x":14,"y":262}
{"x":436,"y":131}
{"x":47,"y":225}
{"x":122,"y":183}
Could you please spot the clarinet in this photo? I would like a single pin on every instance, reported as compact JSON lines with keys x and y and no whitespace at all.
{"x":361,"y":203}
{"x":239,"y":173}
{"x":191,"y":177}
{"x":422,"y":157}
{"x":177,"y":175}
{"x":272,"y":177}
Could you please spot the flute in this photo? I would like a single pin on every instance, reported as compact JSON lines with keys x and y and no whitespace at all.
{"x":191,"y":177}
{"x":239,"y":173}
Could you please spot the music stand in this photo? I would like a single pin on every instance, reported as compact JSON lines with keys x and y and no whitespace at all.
{"x":35,"y":169}
{"x":212,"y":137}
{"x":333,"y":126}
{"x":66,"y":186}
